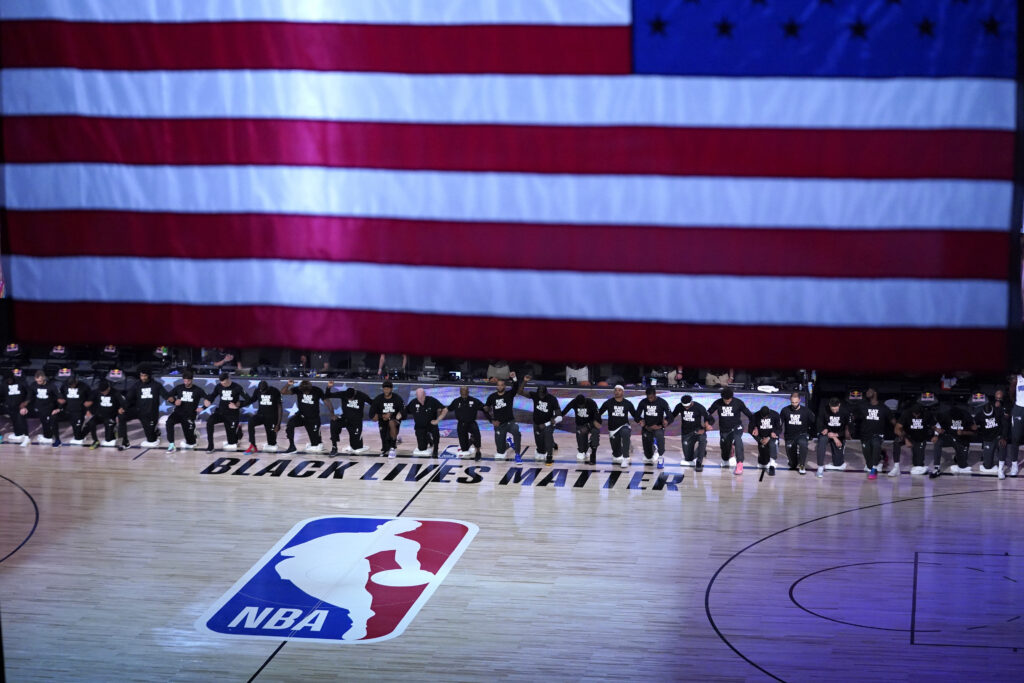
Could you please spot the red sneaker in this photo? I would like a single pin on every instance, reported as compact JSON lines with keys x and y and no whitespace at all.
{"x":739,"y":468}
{"x":250,"y":449}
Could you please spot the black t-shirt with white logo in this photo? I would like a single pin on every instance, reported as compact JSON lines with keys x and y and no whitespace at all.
{"x":43,"y":397}
{"x":691,"y":418}
{"x":585,"y":414}
{"x":15,"y":393}
{"x":146,"y":397}
{"x":223,"y":395}
{"x":992,"y":426}
{"x":191,"y":400}
{"x":352,"y":408}
{"x":619,"y":412}
{"x":501,"y":406}
{"x":873,"y":420}
{"x":918,"y":427}
{"x":730,"y":414}
{"x":766,"y":425}
{"x":105,"y":406}
{"x":383,"y":405}
{"x":655,"y":412}
{"x":76,"y":396}
{"x":834,"y":422}
{"x":267,"y":401}
{"x":307,"y":400}
{"x":954,"y":420}
{"x":796,"y":421}
{"x":545,"y":408}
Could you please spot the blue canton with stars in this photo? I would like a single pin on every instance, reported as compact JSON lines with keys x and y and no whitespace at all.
{"x":844,"y":38}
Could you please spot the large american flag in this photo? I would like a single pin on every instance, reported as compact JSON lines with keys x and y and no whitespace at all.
{"x":809,"y":183}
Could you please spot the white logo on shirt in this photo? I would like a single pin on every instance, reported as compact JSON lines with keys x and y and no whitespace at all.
{"x":106,"y":401}
{"x":186,"y":396}
{"x":618,"y":411}
{"x":266,"y":400}
{"x":834,"y":421}
{"x":873,"y":414}
{"x":766,"y":424}
{"x":582,"y":412}
{"x":727,"y":411}
{"x":389,"y":407}
{"x":917,"y":423}
{"x":307,"y":398}
{"x":147,"y":392}
{"x":991,"y":423}
{"x":957,"y":425}
{"x":795,"y":419}
{"x":652,"y":411}
{"x":225,"y":395}
{"x":499,"y":403}
{"x":42,"y":393}
{"x":354,"y":403}
{"x":13,"y":390}
{"x":72,"y":393}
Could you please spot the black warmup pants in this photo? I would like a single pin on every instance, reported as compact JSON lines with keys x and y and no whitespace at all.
{"x":19,"y":423}
{"x":469,"y":435}
{"x":727,"y":440}
{"x":649,"y":438}
{"x":796,"y":450}
{"x":544,"y":437}
{"x":959,"y":445}
{"x":149,"y":425}
{"x":588,"y":437}
{"x":917,"y":449}
{"x":503,"y":430}
{"x":387,"y":442}
{"x":826,"y":444}
{"x":230,"y":422}
{"x":269,"y":422}
{"x":428,"y":437}
{"x":77,"y":421}
{"x":353,"y":426}
{"x":767,"y":452}
{"x":695,"y":446}
{"x":872,"y":448}
{"x":188,"y":427}
{"x":619,"y":439}
{"x":109,"y":426}
{"x":991,"y":453}
{"x":47,"y":420}
{"x":311,"y":423}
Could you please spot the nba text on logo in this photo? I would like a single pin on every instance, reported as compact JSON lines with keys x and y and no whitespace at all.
{"x":342,"y":580}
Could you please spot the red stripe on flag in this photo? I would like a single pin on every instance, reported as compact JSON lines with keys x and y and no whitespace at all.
{"x":841,"y":349}
{"x":975,"y":154}
{"x":317,"y":47}
{"x":611,"y":248}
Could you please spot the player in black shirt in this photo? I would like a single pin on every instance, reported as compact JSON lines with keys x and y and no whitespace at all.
{"x":833,"y":430}
{"x":230,"y":398}
{"x":426,"y":412}
{"x":766,"y":427}
{"x":501,"y":406}
{"x":15,"y":398}
{"x":546,"y":414}
{"x":797,"y":426}
{"x":993,"y":430}
{"x":44,"y":402}
{"x":873,"y":419}
{"x":915,"y":429}
{"x":353,"y":406}
{"x":105,"y":408}
{"x":730,"y":427}
{"x":466,"y":408}
{"x":387,"y":409}
{"x":77,"y":397}
{"x":188,"y":400}
{"x":307,"y":403}
{"x":142,"y":403}
{"x":953,"y":428}
{"x":588,"y":427}
{"x":653,"y":415}
{"x":267,"y":400}
{"x":693,"y":423}
{"x":619,"y":410}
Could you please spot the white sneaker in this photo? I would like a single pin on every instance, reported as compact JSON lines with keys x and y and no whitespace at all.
{"x":418,"y":453}
{"x":270,"y":449}
{"x":43,"y":440}
{"x":820,"y":473}
{"x":540,"y":457}
{"x":319,"y":448}
{"x":184,"y":445}
{"x":108,"y":444}
{"x":1002,"y":473}
{"x":895,"y":471}
{"x":867,"y":469}
{"x":837,"y":468}
{"x":649,"y":461}
{"x":392,"y":453}
{"x":624,"y":462}
{"x":987,"y":470}
{"x":616,"y":460}
{"x":581,"y":456}
{"x":76,"y":442}
{"x":1013,"y":469}
{"x":956,"y":469}
{"x":500,"y":455}
{"x":732,"y":462}
{"x":225,"y":446}
{"x":687,"y":463}
{"x":25,"y":441}
{"x":347,"y":450}
{"x":360,"y":451}
{"x":920,"y":469}
{"x":471,"y":453}
{"x":151,"y":444}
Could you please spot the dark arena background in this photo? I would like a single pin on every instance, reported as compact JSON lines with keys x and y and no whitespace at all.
{"x":511,"y":340}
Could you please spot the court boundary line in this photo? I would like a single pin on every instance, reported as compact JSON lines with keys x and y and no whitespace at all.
{"x":714,"y":577}
{"x":35,"y":523}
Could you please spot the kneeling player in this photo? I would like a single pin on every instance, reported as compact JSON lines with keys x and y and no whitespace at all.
{"x":693,"y":423}
{"x":798,"y":424}
{"x":387,"y":409}
{"x":188,"y":400}
{"x":466,"y":408}
{"x":106,"y":405}
{"x":427,"y":412}
{"x":766,"y":427}
{"x":588,"y":427}
{"x":307,"y":400}
{"x":353,"y":406}
{"x":653,"y":413}
{"x":267,"y":400}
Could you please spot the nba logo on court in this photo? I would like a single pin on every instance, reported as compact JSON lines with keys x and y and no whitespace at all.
{"x":342,"y":580}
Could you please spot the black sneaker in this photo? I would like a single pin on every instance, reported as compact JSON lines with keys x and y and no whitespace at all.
{"x":699,"y":467}
{"x":478,"y":455}
{"x":291,"y":448}
{"x":549,"y":460}
{"x":56,"y":443}
{"x":593,"y":458}
{"x":210,"y":449}
{"x":121,"y":447}
{"x":771,"y":470}
{"x":934,"y":473}
{"x":334,"y":448}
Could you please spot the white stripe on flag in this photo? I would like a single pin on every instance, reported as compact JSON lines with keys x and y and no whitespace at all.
{"x":572,"y":12}
{"x":555,"y":100}
{"x":723,"y":299}
{"x":515,"y":197}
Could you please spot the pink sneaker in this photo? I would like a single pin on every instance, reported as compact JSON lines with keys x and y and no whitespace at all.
{"x":739,"y":468}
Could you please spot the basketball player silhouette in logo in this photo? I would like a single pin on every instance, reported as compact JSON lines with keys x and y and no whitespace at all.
{"x":334,"y":568}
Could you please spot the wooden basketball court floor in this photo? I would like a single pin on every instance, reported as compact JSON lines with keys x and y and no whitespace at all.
{"x":109,"y":558}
